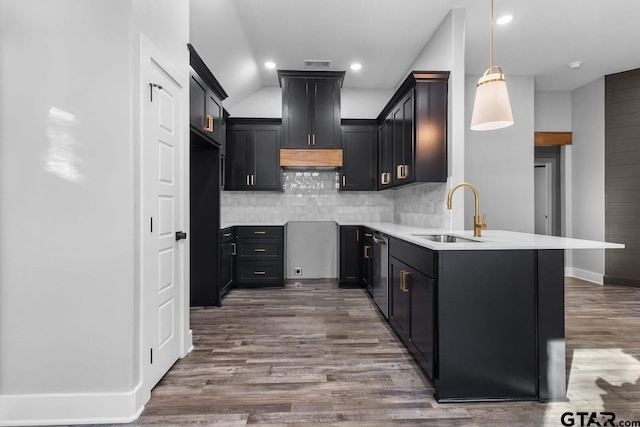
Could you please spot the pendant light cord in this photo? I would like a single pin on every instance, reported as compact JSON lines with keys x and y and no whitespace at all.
{"x":491,"y":41}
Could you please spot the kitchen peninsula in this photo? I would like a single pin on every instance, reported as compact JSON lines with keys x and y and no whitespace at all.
{"x":483,"y":317}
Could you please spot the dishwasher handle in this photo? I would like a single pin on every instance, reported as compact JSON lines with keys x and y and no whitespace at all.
{"x":379,"y":241}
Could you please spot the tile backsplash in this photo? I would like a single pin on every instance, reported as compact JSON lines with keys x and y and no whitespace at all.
{"x":314,"y":196}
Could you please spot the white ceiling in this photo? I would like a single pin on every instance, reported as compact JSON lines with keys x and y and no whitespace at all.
{"x":387,"y":35}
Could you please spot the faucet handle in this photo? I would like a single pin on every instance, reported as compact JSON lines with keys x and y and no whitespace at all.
{"x":483,"y":222}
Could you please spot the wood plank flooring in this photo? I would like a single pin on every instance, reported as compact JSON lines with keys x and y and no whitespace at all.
{"x":312,"y":354}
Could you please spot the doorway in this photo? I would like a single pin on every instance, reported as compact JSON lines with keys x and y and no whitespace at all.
{"x":543,"y":200}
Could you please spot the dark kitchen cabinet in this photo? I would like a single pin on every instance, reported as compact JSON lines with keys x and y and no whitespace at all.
{"x":412,"y":290}
{"x":385,"y":154}
{"x":207,"y":116}
{"x":413,"y":131}
{"x":359,"y":155}
{"x":367,"y":259}
{"x":227,"y":259}
{"x":403,"y":140}
{"x":311,"y":108}
{"x":350,"y":255}
{"x":253,"y":156}
{"x":260,"y":256}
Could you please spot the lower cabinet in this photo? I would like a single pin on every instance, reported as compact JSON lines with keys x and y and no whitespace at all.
{"x":260,"y":256}
{"x":412,"y":311}
{"x":227,"y":257}
{"x":367,"y":259}
{"x":350,"y":255}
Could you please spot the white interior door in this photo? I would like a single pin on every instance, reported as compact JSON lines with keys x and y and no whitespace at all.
{"x":542,"y":200}
{"x":162,"y":187}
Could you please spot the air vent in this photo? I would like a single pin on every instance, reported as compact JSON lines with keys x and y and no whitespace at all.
{"x":317,"y":63}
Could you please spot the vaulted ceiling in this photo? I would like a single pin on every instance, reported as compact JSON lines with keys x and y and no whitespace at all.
{"x":236,"y":37}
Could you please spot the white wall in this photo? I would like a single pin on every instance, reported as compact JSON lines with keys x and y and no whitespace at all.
{"x":69,"y":294}
{"x":587,"y":175}
{"x":552,"y":111}
{"x":355,"y":103}
{"x":445,"y":52}
{"x":500,"y":162}
{"x":213,"y":24}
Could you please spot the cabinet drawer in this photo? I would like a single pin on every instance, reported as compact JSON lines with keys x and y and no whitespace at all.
{"x":419,"y":258}
{"x":258,"y":272}
{"x":266,"y":232}
{"x":367,"y":235}
{"x":260,"y":248}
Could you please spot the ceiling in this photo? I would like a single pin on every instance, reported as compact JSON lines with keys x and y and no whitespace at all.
{"x":385,"y":36}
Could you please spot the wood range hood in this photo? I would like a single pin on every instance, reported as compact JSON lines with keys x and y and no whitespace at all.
{"x":310,"y":158}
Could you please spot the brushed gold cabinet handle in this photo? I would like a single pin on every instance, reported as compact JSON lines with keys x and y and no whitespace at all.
{"x":259,"y":250}
{"x":227,"y":234}
{"x":211,"y":123}
{"x":405,"y":170}
{"x":233,"y":249}
{"x":248,"y":181}
{"x":368,"y":235}
{"x":385,"y":178}
{"x":357,"y":235}
{"x":403,"y":280}
{"x":259,"y":273}
{"x":313,"y":139}
{"x":344,"y":180}
{"x":252,"y":180}
{"x":399,"y":171}
{"x":259,"y":232}
{"x":308,"y":139}
{"x":367,"y":252}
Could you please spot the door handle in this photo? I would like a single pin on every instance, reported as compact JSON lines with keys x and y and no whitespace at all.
{"x":308,"y":139}
{"x":384,"y":178}
{"x":313,"y":139}
{"x":248,"y":181}
{"x":252,"y":180}
{"x":226,"y":234}
{"x":399,"y":171}
{"x":403,"y":280}
{"x":259,"y":250}
{"x":180,"y":235}
{"x":233,"y":249}
{"x":367,"y":252}
{"x":259,"y":273}
{"x":344,"y":180}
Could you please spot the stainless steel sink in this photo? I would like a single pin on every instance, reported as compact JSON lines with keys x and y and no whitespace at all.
{"x":446,"y":238}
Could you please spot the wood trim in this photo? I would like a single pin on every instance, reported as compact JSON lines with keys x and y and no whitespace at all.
{"x":310,"y":157}
{"x":545,"y":139}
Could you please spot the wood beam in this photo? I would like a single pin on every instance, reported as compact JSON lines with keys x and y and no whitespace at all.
{"x":310,"y":157}
{"x":545,"y":139}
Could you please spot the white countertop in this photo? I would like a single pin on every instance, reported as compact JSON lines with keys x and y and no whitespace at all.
{"x":490,"y":240}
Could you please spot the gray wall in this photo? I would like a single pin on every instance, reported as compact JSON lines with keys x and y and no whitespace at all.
{"x":500,"y":162}
{"x":312,"y":246}
{"x":552,"y":111}
{"x":588,"y":177}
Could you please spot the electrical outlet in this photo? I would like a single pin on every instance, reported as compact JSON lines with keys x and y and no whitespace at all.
{"x":297,"y":271}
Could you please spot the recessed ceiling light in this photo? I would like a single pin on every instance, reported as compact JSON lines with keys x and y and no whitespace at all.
{"x":355,"y":66}
{"x":575,"y":64}
{"x":270,"y":65}
{"x":504,"y":19}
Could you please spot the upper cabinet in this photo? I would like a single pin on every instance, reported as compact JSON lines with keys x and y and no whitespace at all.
{"x":311,"y":108}
{"x":253,"y":155}
{"x":359,"y":155}
{"x":206,"y":95}
{"x":413,"y":132}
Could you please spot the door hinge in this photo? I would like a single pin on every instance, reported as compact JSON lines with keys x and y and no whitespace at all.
{"x":151,"y":355}
{"x":151,"y":86}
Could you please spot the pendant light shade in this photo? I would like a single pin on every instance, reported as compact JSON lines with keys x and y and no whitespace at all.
{"x":491,"y":108}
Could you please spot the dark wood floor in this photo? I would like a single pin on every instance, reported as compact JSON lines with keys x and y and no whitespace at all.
{"x":312,"y":354}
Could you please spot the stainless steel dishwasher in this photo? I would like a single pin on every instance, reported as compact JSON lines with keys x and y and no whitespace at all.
{"x":381,"y":273}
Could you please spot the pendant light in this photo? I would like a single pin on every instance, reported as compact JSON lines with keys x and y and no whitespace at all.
{"x":491,"y":109}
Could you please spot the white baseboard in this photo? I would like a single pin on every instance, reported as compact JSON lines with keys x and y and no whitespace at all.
{"x":587,"y":275}
{"x":188,"y":344}
{"x":71,"y":408}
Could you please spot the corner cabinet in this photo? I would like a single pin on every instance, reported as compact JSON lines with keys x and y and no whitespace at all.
{"x":359,"y":155}
{"x":207,"y":115}
{"x":253,"y":155}
{"x":311,"y":108}
{"x":413,"y":132}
